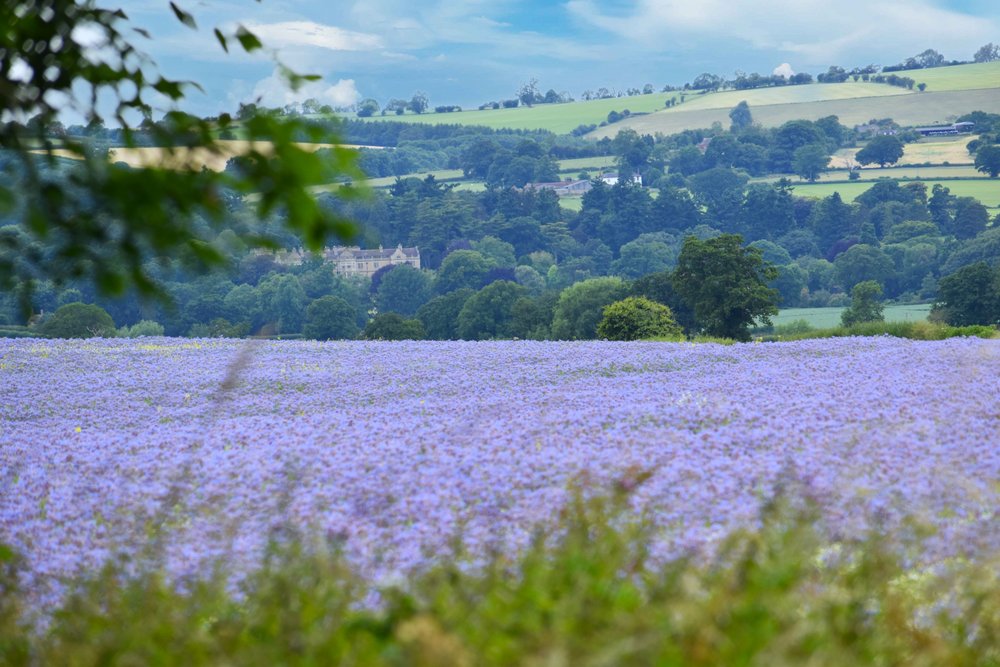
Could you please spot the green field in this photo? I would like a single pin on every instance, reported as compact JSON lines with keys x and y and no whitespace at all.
{"x":575,"y":165}
{"x":935,"y":150}
{"x":559,"y":118}
{"x":959,"y":77}
{"x":896,"y":173}
{"x":985,"y":190}
{"x":826,"y":318}
{"x":910,"y":109}
{"x":816,"y":92}
{"x":951,"y":92}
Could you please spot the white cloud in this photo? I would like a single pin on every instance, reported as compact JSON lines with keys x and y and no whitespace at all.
{"x":821,"y":31}
{"x":273,"y":91}
{"x":311,"y":34}
{"x":785,"y":70}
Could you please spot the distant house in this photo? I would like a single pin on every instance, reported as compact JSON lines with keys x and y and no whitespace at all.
{"x":563,"y":188}
{"x":353,"y":261}
{"x":874,"y":129}
{"x":954,"y":128}
{"x":357,"y":262}
{"x":612,"y":178}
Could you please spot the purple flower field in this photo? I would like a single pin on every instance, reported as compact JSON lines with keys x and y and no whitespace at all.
{"x":195,"y":451}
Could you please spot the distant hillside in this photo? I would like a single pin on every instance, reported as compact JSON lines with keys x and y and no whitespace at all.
{"x":951,"y":92}
{"x":558,"y":118}
{"x":908,"y":109}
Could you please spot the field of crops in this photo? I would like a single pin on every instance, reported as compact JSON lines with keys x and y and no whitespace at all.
{"x":984,"y":189}
{"x":191,"y":452}
{"x":950,"y":150}
{"x":816,"y":92}
{"x":910,"y":109}
{"x":559,"y":118}
{"x":958,"y":77}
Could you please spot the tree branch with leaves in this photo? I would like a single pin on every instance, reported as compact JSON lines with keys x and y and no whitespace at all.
{"x":84,"y":217}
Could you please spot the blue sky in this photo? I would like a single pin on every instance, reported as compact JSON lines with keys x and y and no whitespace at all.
{"x":471,"y":51}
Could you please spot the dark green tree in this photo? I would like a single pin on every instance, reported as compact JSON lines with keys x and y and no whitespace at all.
{"x":987,"y":53}
{"x":810,"y":161}
{"x":581,"y":307}
{"x":78,"y":320}
{"x":440,"y":315}
{"x":489,"y":312}
{"x":866,"y":304}
{"x":740,"y":117}
{"x":659,"y":287}
{"x":971,"y":218}
{"x":633,"y":152}
{"x":831,"y":220}
{"x":330,"y":318}
{"x":988,"y":160}
{"x":462,"y":268}
{"x":418,"y":103}
{"x":283,"y":301}
{"x":969,"y":296}
{"x":404,"y":289}
{"x":768,"y":211}
{"x":648,"y":253}
{"x":726,"y":285}
{"x":531,"y":317}
{"x":863,"y":262}
{"x":367,"y":107}
{"x":637,"y":318}
{"x":393,"y":326}
{"x":882,"y":150}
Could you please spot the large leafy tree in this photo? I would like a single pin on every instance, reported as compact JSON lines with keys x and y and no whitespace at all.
{"x":79,"y":320}
{"x":581,"y":307}
{"x":488,"y":312}
{"x":330,"y":317}
{"x":882,"y":150}
{"x":810,"y":161}
{"x":726,"y":285}
{"x":404,"y":289}
{"x":971,"y":295}
{"x":863,"y":262}
{"x":866,"y":304}
{"x":101,"y":221}
{"x":988,"y":160}
{"x":440,"y":315}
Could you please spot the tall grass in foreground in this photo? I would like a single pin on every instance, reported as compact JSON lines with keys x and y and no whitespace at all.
{"x":583,"y":594}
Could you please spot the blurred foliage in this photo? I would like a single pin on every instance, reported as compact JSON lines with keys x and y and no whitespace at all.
{"x":587,"y":591}
{"x":85,"y":217}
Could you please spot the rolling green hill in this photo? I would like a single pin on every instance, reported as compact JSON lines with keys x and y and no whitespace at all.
{"x":908,"y":109}
{"x":951,"y":92}
{"x":985,"y":190}
{"x":957,"y":77}
{"x":558,"y":118}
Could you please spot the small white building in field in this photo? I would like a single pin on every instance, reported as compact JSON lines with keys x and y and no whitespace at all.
{"x":612,"y":178}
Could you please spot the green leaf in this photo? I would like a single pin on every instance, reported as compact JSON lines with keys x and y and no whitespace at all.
{"x":222,"y":40}
{"x":248,"y":40}
{"x":184,"y":17}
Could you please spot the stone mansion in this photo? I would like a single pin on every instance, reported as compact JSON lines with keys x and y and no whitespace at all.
{"x":354,"y":261}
